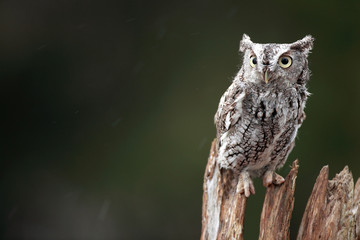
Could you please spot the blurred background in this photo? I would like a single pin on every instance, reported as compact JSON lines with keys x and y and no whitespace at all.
{"x":107,"y":109}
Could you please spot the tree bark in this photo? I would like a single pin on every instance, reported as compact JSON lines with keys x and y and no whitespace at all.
{"x":332,"y":211}
{"x":223,"y":205}
{"x":278,"y":207}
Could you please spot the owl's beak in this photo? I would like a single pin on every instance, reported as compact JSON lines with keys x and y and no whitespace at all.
{"x":267,"y":76}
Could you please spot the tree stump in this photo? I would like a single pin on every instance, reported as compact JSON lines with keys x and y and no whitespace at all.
{"x":332,"y":212}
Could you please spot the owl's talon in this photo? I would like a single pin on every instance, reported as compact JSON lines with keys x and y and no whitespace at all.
{"x":267,"y":178}
{"x":252,"y":188}
{"x":245,"y":184}
{"x":271,"y":177}
{"x":278,"y":179}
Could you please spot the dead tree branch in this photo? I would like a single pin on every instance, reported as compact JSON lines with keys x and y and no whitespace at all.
{"x":332,"y":212}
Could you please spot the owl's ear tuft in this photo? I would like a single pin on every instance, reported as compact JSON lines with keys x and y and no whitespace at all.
{"x":245,"y":43}
{"x":305,"y":45}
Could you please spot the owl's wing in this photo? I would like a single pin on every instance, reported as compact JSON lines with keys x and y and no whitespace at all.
{"x":230,"y":108}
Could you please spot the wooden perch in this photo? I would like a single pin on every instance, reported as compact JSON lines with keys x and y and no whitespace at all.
{"x":332,"y":212}
{"x":333,"y":208}
{"x":277,"y":208}
{"x":223,"y":205}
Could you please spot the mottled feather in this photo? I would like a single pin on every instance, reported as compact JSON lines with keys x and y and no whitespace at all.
{"x":260,"y":113}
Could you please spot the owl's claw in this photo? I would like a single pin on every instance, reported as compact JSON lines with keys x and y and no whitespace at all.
{"x":245,"y":184}
{"x":271,"y":177}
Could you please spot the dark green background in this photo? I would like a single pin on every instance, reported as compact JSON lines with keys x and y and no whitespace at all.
{"x":107,"y":109}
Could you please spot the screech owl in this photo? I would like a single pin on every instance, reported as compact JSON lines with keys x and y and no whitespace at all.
{"x":260,"y":113}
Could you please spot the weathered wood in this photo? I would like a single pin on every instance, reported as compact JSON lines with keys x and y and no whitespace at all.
{"x":356,"y":209}
{"x":277,"y":208}
{"x":312,"y":217}
{"x":332,"y":211}
{"x":332,"y":208}
{"x":223,"y":205}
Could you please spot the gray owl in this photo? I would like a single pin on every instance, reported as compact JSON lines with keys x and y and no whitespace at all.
{"x":260,"y":113}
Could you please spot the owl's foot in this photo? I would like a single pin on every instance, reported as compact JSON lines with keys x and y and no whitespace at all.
{"x":245,"y":184}
{"x":271,"y":177}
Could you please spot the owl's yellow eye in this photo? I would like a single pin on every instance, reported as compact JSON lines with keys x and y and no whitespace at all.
{"x":253,"y":61}
{"x":285,"y":61}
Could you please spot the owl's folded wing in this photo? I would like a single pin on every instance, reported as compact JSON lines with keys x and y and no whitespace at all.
{"x":229,"y":112}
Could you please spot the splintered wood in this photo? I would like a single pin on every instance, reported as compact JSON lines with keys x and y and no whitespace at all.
{"x":277,"y":208}
{"x":332,"y":212}
{"x":223,"y":205}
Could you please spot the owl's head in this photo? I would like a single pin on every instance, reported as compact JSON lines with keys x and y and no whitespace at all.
{"x":267,"y":63}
